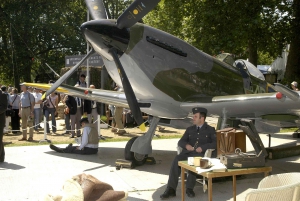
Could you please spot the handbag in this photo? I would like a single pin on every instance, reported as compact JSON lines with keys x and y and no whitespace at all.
{"x":10,"y":113}
{"x":45,"y":107}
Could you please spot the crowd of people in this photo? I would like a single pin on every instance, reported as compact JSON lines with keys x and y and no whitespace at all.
{"x":26,"y":110}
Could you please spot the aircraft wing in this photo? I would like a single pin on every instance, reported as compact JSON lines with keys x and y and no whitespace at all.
{"x":264,"y":105}
{"x":104,"y":96}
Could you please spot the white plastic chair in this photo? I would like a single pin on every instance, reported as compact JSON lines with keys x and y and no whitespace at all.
{"x":280,"y":187}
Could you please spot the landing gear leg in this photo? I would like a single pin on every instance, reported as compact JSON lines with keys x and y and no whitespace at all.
{"x":138,"y":148}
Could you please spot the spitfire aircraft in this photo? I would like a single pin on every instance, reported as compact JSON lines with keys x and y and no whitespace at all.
{"x":166,"y":77}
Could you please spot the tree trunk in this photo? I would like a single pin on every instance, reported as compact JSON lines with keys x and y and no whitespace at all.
{"x":293,"y":63}
{"x":253,"y":56}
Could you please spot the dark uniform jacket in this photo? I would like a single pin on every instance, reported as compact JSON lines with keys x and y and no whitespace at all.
{"x":88,"y":106}
{"x":72,"y":105}
{"x":206,"y":139}
{"x":3,"y":102}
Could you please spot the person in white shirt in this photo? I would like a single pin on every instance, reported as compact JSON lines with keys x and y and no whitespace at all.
{"x":89,"y":141}
{"x":37,"y":108}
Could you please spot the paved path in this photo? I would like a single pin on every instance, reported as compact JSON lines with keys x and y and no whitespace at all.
{"x":30,"y":172}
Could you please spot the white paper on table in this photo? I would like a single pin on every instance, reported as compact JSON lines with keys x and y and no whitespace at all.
{"x":216,"y":166}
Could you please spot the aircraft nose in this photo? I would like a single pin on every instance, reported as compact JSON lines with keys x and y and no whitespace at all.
{"x":105,"y":34}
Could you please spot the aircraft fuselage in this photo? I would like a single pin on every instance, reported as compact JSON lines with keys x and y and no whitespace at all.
{"x":164,"y":70}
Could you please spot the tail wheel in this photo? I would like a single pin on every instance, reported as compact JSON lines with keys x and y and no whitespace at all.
{"x":138,"y":159}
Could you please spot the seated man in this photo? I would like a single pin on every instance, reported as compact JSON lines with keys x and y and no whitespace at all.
{"x":89,"y":141}
{"x":195,"y":141}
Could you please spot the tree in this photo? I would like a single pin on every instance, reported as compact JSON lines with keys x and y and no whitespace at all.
{"x":39,"y":31}
{"x":42,"y":31}
{"x":293,"y":63}
{"x":241,"y":27}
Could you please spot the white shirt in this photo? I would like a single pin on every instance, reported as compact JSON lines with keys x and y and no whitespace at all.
{"x":37,"y":97}
{"x":78,"y":102}
{"x":85,"y":137}
{"x":93,"y":104}
{"x":15,"y":100}
{"x":51,"y":101}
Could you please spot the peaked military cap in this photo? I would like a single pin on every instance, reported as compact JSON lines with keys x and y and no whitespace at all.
{"x":199,"y":109}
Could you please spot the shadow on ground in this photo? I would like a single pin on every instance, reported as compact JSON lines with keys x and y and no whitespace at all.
{"x":11,"y":166}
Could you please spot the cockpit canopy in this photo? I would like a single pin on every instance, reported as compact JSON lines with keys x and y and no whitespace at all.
{"x":251,"y":68}
{"x":229,"y":59}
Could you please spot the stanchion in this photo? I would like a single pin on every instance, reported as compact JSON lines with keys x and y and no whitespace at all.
{"x":99,"y":129}
{"x":45,"y":132}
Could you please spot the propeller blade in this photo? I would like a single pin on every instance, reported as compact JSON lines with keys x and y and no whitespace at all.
{"x":130,"y":96}
{"x":136,"y":11}
{"x":65,"y":76}
{"x":97,"y":9}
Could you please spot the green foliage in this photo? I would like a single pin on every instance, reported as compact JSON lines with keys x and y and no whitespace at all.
{"x":265,"y":58}
{"x":247,"y":29}
{"x":36,"y":33}
{"x":49,"y":30}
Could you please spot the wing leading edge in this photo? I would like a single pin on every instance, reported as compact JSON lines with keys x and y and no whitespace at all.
{"x":104,"y":96}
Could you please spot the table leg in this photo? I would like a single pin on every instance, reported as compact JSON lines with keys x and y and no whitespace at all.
{"x":266,"y":174}
{"x":182,"y":183}
{"x":234,"y":187}
{"x":210,"y":189}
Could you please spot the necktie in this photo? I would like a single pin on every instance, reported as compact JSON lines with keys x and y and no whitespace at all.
{"x":198,"y":128}
{"x":93,"y":102}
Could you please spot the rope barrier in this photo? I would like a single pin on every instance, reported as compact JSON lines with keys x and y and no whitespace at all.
{"x":103,"y":122}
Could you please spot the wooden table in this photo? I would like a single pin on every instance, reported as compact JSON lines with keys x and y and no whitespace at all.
{"x":209,"y":175}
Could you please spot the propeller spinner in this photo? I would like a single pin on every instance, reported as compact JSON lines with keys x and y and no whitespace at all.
{"x":135,"y":12}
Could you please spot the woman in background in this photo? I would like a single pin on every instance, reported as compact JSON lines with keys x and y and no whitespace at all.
{"x":15,"y":120}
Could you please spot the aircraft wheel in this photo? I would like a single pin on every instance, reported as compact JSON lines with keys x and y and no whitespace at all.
{"x":137,"y":159}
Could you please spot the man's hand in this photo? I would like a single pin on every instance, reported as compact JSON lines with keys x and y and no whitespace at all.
{"x":199,"y":150}
{"x":189,"y":147}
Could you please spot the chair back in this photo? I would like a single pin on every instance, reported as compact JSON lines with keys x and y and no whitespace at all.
{"x":278,"y":187}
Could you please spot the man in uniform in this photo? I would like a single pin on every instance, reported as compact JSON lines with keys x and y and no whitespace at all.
{"x":3,"y":107}
{"x":90,"y":110}
{"x":76,"y":112}
{"x":195,"y":141}
{"x":89,"y":141}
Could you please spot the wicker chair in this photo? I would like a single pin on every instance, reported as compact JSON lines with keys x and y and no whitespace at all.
{"x":280,"y":187}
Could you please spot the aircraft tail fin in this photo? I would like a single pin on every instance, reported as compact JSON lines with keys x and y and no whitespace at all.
{"x":286,"y":91}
